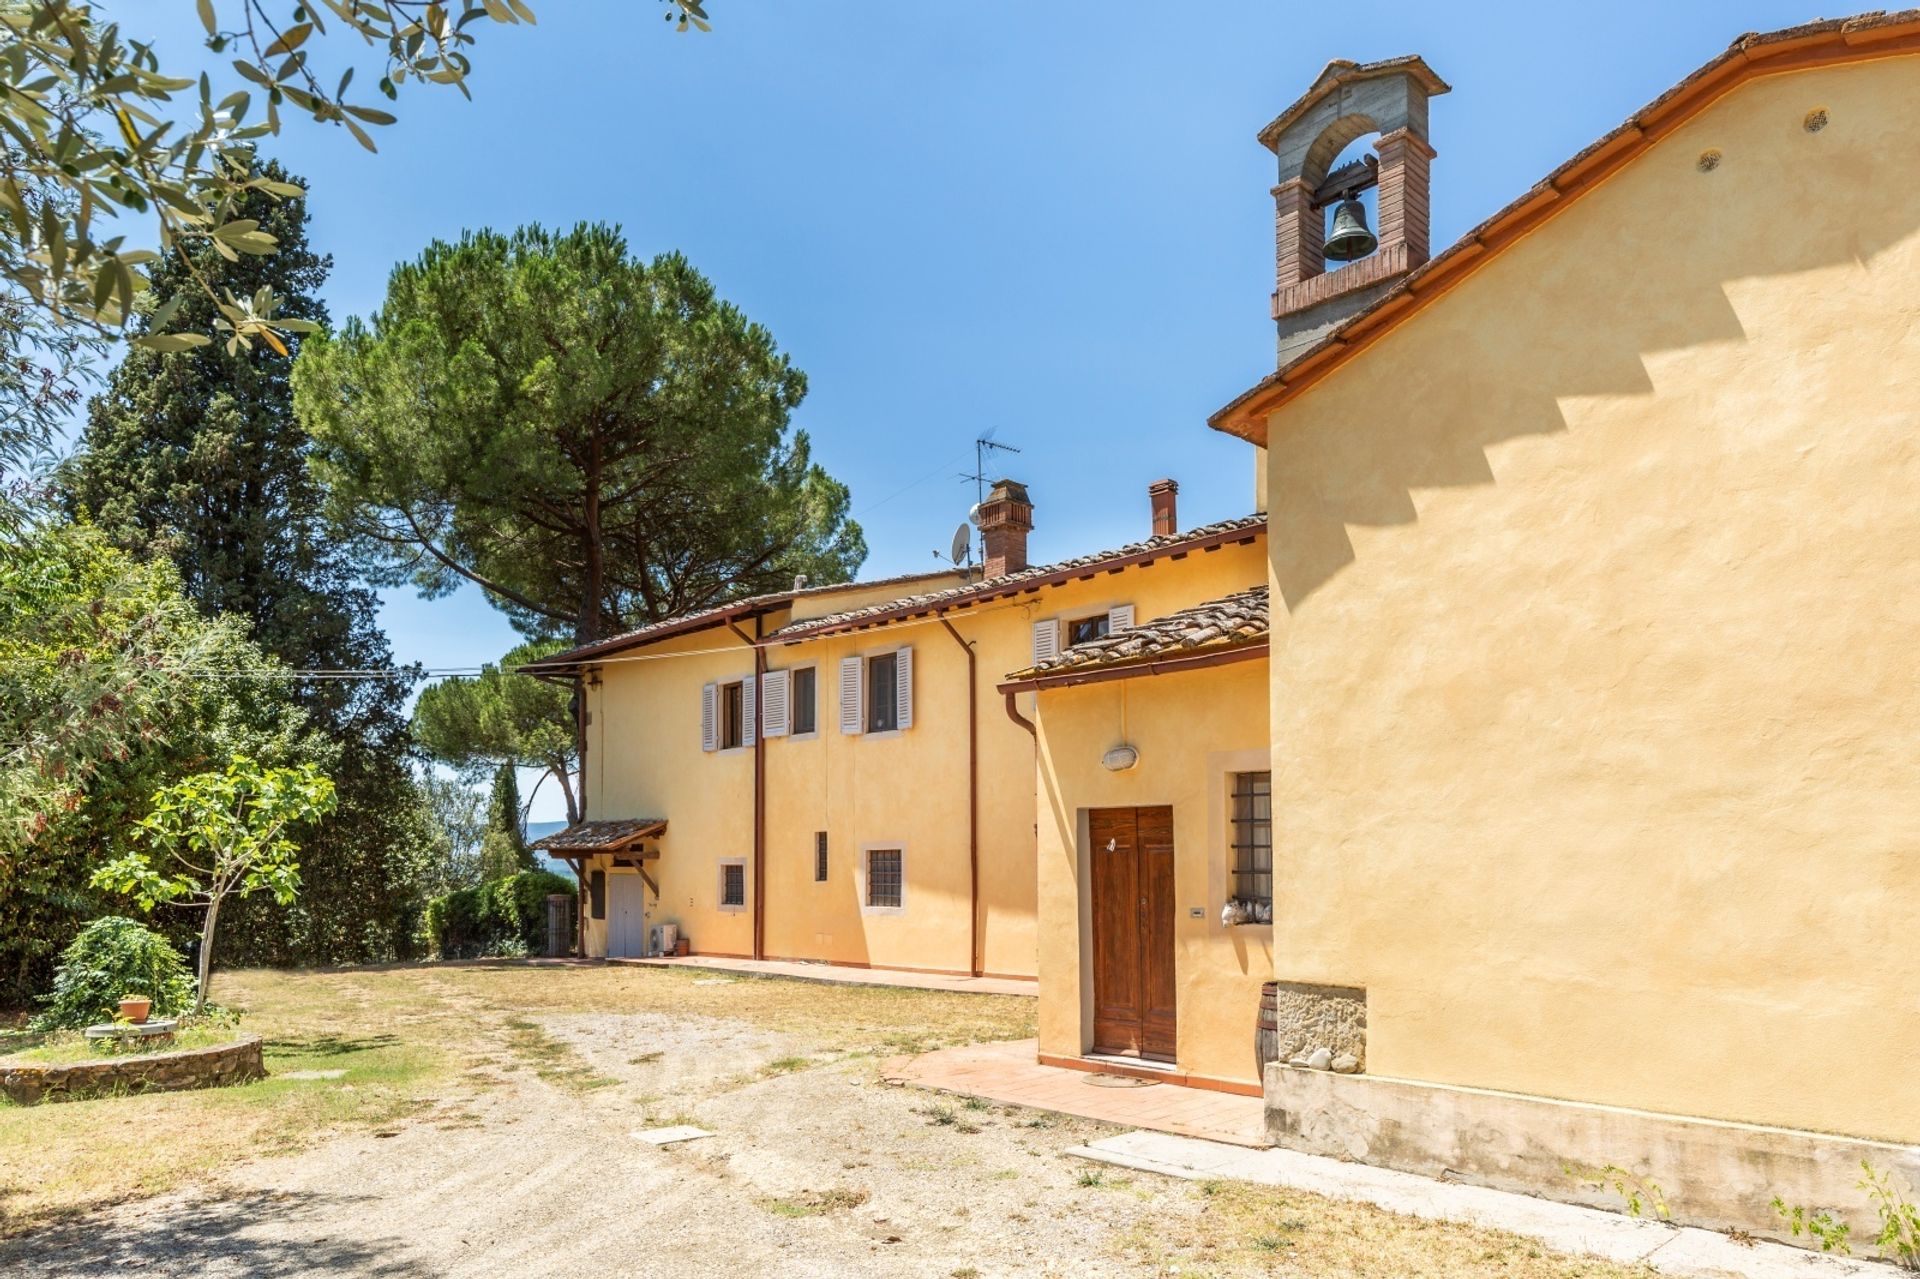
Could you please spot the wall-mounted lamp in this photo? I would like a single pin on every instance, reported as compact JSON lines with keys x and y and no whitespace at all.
{"x":1120,"y":759}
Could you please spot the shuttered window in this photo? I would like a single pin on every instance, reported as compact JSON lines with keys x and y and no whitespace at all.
{"x":775,"y":703}
{"x":850,"y":699}
{"x":819,"y":857}
{"x":804,"y":702}
{"x":1082,"y":629}
{"x":1046,"y":641}
{"x":732,"y":716}
{"x":749,"y":720}
{"x":903,"y":688}
{"x":883,"y":681}
{"x":597,"y":893}
{"x":710,"y":718}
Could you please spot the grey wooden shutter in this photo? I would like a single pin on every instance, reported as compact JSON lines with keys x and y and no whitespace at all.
{"x":850,"y":668}
{"x":776,"y":717}
{"x":747,"y":689}
{"x":710,"y":717}
{"x":903,"y":685}
{"x":1046,"y":640}
{"x":1119,"y":618}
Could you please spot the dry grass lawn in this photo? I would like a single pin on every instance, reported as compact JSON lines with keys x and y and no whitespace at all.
{"x":406,"y":1037}
{"x":493,"y":1080}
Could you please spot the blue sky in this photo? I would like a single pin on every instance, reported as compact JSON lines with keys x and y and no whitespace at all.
{"x":1050,"y":219}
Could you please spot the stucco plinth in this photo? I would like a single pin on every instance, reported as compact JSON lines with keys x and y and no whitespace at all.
{"x":1723,"y":1176}
{"x":237,"y":1063}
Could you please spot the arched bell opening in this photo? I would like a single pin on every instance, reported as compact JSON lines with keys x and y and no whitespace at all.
{"x":1346,"y":196}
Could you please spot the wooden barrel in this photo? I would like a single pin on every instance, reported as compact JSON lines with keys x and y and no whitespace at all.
{"x":1266,"y":1033}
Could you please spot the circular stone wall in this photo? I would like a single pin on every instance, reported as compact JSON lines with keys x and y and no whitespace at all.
{"x":236,"y":1063}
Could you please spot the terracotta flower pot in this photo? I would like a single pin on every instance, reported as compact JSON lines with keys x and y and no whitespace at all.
{"x":681,"y":947}
{"x":135,"y":1010}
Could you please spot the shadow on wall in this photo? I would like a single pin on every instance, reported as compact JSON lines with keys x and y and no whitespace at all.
{"x":1639,"y":266}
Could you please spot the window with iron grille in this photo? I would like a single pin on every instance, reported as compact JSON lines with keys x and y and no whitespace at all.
{"x":885,"y":886}
{"x":819,"y":857}
{"x":805,"y":703}
{"x":883,"y":692}
{"x":733,"y":716}
{"x":733,"y":884}
{"x":1253,"y":838}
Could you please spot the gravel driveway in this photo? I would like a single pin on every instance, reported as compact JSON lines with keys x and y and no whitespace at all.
{"x":518,"y":1155}
{"x":816,"y":1169}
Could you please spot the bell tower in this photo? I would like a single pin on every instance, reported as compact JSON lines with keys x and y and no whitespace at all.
{"x":1349,"y":100}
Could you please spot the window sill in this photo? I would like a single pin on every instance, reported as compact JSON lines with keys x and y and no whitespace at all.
{"x":813,"y":736}
{"x":883,"y":910}
{"x":884,"y":734}
{"x":731,"y":910}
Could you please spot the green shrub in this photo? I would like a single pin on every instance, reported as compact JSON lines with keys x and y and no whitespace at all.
{"x":110,"y":958}
{"x":506,"y":916}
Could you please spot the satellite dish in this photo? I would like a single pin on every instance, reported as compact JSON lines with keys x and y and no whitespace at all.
{"x":962,"y":549}
{"x":973,"y":515}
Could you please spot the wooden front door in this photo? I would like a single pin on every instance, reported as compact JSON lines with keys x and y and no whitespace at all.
{"x":1132,"y":887}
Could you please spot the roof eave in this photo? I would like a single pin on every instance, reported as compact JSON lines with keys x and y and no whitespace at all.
{"x":1199,"y":659}
{"x":988,"y":591}
{"x":586,"y":654}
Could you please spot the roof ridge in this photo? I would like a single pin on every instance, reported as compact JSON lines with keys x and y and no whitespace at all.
{"x":1021,"y":580}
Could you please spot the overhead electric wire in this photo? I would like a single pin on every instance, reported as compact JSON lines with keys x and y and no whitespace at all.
{"x":324,"y":674}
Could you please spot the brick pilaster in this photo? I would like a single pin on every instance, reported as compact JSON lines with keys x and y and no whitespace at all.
{"x":1402,"y":205}
{"x":1299,"y":233}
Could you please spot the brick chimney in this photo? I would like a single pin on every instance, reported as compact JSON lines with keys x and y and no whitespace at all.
{"x":1349,"y":100}
{"x":1006,"y":517}
{"x":1161,"y":494}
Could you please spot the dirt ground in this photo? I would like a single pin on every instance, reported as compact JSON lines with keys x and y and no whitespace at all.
{"x":519,"y":1157}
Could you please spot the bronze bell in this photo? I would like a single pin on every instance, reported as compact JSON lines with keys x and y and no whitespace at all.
{"x":1350,"y":238}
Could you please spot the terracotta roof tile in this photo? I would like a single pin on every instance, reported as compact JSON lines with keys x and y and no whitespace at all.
{"x":1011,"y":583}
{"x":745,"y":606}
{"x":1233,"y":621}
{"x":593,"y":836}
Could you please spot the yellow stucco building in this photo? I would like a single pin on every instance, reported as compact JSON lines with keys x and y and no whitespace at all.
{"x":837,"y":774}
{"x":1595,"y":732}
{"x":1537,"y":763}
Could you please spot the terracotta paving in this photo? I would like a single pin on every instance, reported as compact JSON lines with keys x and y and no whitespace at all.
{"x":847,"y":976}
{"x":1009,"y":1073}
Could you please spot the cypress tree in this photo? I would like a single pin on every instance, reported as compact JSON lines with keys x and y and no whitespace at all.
{"x":503,"y":850}
{"x":195,"y":456}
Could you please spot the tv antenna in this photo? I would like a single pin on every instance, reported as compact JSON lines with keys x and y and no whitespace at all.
{"x":985,"y":447}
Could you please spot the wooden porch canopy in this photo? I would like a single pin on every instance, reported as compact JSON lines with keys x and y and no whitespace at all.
{"x":619,"y":839}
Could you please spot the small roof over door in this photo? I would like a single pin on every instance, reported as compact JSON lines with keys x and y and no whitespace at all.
{"x":584,"y":839}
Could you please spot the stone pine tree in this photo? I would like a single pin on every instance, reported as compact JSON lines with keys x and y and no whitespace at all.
{"x":503,"y":849}
{"x":195,"y":456}
{"x":592,"y":439}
